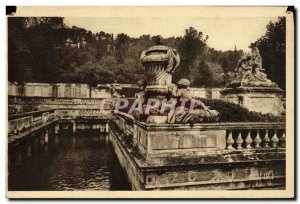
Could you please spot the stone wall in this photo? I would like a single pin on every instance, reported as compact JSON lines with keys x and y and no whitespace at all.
{"x":72,"y":90}
{"x":59,"y":90}
{"x":209,"y":93}
{"x":69,"y":90}
{"x":12,"y":89}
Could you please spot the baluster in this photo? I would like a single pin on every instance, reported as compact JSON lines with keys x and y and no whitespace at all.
{"x":230,"y":141}
{"x":257,"y":140}
{"x":282,"y":139}
{"x":239,"y":140}
{"x":274,"y":139}
{"x":266,"y":139}
{"x":248,"y":140}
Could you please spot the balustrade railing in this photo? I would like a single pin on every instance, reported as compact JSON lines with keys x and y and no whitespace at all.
{"x":59,"y":101}
{"x":18,"y":123}
{"x":231,"y":136}
{"x":80,"y":113}
{"x":255,"y":138}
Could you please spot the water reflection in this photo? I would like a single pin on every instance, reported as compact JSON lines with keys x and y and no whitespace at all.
{"x":82,"y":162}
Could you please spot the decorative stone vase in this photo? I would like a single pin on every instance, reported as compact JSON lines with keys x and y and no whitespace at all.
{"x":159,"y":62}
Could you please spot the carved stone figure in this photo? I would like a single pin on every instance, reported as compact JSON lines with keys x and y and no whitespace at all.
{"x":115,"y":90}
{"x":243,"y":66}
{"x":249,"y":71}
{"x":142,"y":85}
{"x":260,"y":76}
{"x":184,"y":114}
{"x":255,"y":55}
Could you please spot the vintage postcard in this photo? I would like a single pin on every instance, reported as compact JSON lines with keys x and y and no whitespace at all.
{"x":131,"y":102}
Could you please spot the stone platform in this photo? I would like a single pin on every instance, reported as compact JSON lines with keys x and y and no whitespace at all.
{"x":205,"y":156}
{"x":259,"y":99}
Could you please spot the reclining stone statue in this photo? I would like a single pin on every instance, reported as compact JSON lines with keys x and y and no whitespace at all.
{"x":186,"y":114}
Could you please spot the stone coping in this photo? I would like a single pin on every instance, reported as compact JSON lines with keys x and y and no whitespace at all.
{"x":215,"y":126}
{"x":252,"y":89}
{"x":68,"y":108}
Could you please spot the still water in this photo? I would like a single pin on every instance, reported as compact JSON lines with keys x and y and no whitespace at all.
{"x":84,"y":161}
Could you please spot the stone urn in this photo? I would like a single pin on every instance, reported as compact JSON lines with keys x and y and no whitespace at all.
{"x":159,"y":62}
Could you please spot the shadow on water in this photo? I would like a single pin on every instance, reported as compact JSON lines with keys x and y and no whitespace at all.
{"x":84,"y":161}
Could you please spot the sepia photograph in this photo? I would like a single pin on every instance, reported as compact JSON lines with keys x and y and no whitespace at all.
{"x":150,"y":102}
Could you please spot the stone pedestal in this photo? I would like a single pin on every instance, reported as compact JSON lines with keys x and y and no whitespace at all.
{"x":259,"y":99}
{"x":157,"y":119}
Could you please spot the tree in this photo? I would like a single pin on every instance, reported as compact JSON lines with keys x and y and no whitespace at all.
{"x":44,"y":38}
{"x":89,"y":75}
{"x":20,"y":60}
{"x":204,"y":76}
{"x":191,"y":46}
{"x":102,"y":42}
{"x":156,"y":38}
{"x":122,"y":45}
{"x":272,"y":47}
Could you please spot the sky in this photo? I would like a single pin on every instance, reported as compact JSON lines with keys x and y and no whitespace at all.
{"x":224,"y":33}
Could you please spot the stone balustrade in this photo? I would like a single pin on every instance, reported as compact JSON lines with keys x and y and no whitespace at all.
{"x":251,"y":138}
{"x":199,"y":156}
{"x":18,"y":123}
{"x":162,"y":139}
{"x":21,"y":105}
{"x":80,"y":113}
{"x":49,"y":100}
{"x":25,"y":124}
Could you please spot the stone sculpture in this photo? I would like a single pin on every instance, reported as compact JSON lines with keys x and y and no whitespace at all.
{"x":185,"y":115}
{"x":115,"y":90}
{"x":159,"y":62}
{"x":251,"y":88}
{"x":249,"y":71}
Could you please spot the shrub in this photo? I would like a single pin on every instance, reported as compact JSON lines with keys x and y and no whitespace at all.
{"x":231,"y":112}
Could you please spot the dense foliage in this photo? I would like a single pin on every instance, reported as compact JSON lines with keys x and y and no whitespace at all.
{"x":230,"y":112}
{"x":272,"y":48}
{"x":46,"y":50}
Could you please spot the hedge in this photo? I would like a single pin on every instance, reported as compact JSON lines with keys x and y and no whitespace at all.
{"x":230,"y":112}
